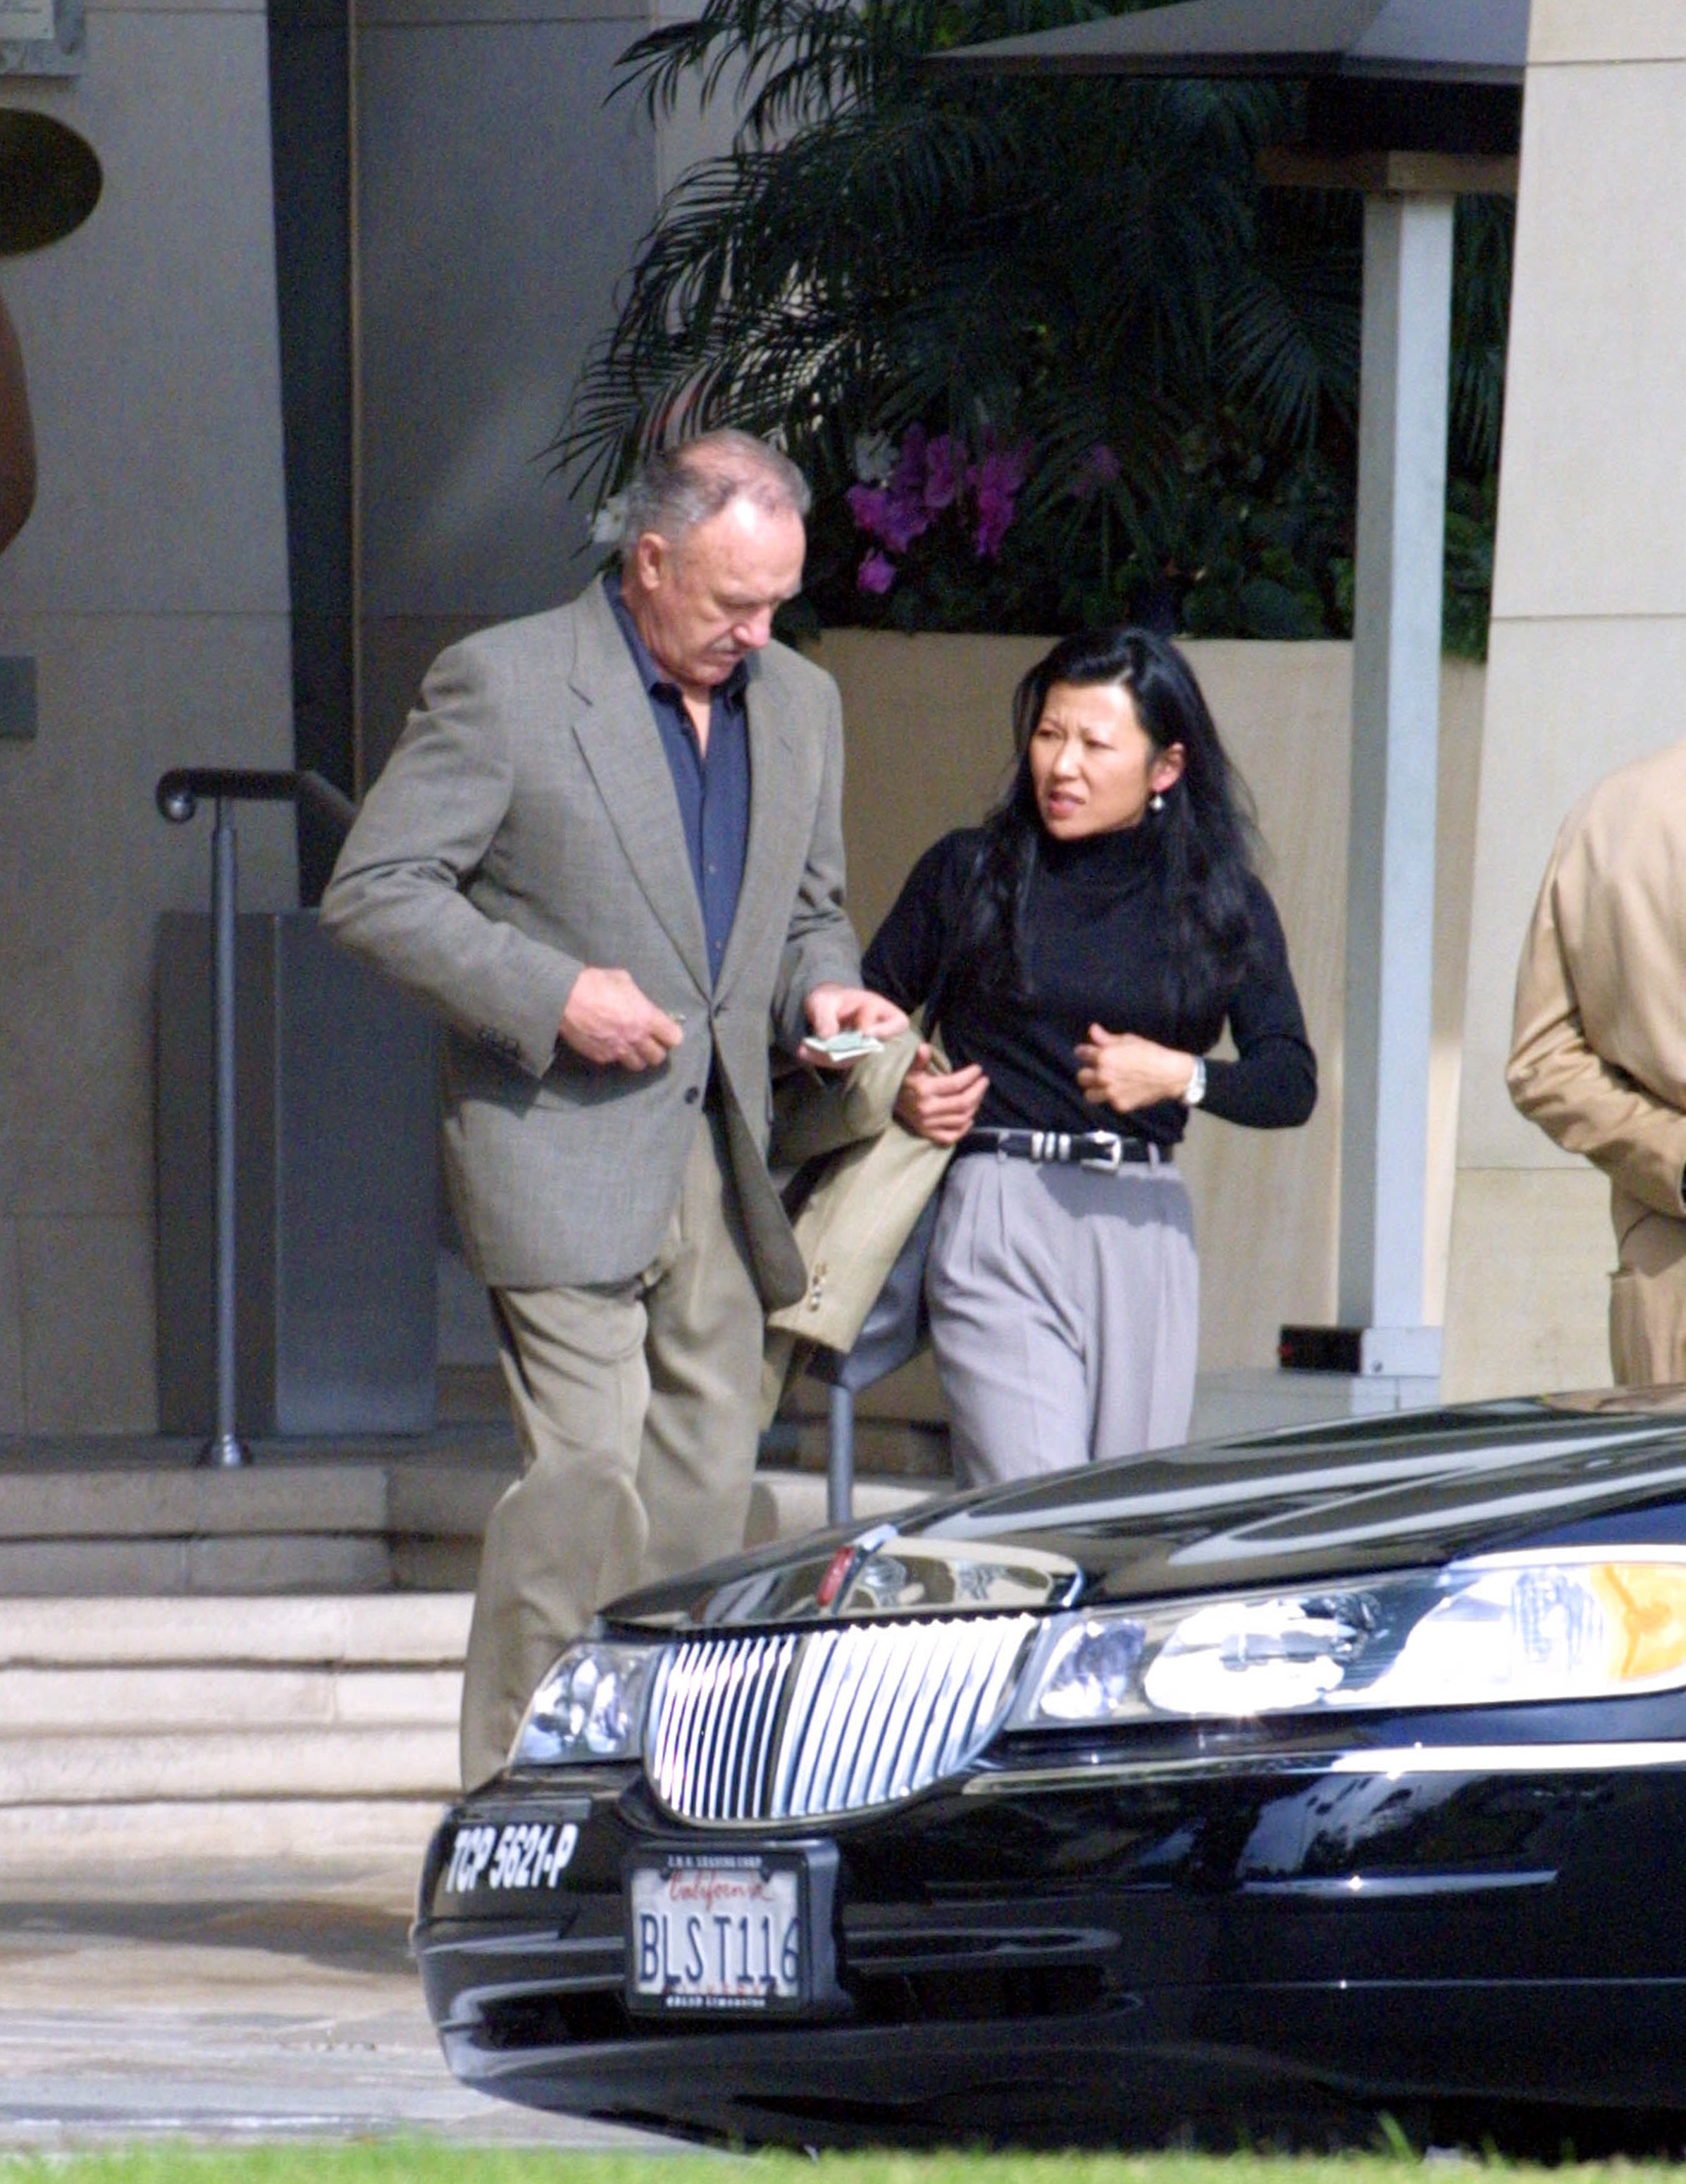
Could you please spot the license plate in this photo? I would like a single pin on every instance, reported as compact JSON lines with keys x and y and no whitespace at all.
{"x":718,"y":1931}
{"x":490,"y":1857}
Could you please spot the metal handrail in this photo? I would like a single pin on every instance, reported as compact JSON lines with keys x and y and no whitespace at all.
{"x":178,"y":794}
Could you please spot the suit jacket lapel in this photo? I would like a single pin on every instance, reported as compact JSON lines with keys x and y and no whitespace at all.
{"x":776,"y":816}
{"x":618,"y":739}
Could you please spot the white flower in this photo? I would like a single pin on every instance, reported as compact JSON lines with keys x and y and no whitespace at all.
{"x":875,"y":458}
{"x":608,"y":525}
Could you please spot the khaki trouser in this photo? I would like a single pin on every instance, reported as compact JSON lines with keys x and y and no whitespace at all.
{"x":1647,"y":1295}
{"x":636,"y":1411}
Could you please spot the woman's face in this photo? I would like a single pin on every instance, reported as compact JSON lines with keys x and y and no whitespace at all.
{"x":1093,"y":765}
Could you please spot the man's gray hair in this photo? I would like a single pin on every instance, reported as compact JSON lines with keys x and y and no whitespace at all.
{"x":674,"y":489}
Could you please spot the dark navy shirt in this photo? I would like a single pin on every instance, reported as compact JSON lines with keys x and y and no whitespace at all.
{"x":713,"y":788}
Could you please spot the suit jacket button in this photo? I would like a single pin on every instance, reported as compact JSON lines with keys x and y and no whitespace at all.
{"x":693,"y":1096}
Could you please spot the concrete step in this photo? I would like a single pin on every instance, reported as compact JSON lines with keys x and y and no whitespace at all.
{"x":124,"y":1706}
{"x":291,"y":1525}
{"x":36,"y":1701}
{"x":137,"y":1726}
{"x":131,"y":1766}
{"x":153,"y":1500}
{"x":411,"y":1629}
{"x":81,"y":1839}
{"x":785,"y":1504}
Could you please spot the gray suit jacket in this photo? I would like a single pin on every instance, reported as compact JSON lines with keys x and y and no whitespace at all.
{"x":526,"y":826}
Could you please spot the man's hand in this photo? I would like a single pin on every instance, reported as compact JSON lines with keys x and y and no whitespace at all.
{"x":939,"y":1104}
{"x":832,"y":1009}
{"x":609,"y":1022}
{"x":1120,"y":1070}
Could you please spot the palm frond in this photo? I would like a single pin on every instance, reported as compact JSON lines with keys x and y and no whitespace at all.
{"x":1481,"y":307}
{"x":1069,"y":265}
{"x":1289,"y":341}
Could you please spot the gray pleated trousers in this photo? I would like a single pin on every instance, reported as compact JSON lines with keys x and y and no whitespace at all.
{"x":1065,"y":1314}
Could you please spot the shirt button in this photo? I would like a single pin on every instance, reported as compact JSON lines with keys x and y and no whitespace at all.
{"x":693,"y":1096}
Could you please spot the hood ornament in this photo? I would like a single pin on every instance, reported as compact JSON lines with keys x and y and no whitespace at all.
{"x":847,"y":1560}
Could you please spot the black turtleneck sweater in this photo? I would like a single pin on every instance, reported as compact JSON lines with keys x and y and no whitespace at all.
{"x":1093,"y":926}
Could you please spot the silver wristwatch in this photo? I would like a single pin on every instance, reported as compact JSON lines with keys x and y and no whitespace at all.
{"x":1197,"y":1083}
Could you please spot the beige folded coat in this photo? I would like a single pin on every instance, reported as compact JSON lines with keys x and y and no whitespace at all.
{"x":854,"y":1222}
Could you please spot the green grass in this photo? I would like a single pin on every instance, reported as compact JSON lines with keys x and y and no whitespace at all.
{"x":421,"y":2161}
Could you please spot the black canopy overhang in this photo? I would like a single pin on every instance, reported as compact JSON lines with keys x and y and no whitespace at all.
{"x":1399,"y":75}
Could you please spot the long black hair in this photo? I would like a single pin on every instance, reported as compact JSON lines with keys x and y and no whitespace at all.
{"x":1202,"y":838}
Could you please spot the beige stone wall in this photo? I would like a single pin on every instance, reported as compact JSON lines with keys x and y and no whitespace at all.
{"x":150,"y":587}
{"x":1589,"y":648}
{"x":927,"y":724}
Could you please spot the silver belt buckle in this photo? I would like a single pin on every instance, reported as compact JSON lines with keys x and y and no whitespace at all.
{"x":1109,"y":1161}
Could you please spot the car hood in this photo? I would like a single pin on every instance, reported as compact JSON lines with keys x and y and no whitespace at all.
{"x":1409,"y":1489}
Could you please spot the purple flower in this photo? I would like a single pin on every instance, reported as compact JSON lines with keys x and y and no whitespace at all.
{"x":942,"y":473}
{"x":867,"y":505}
{"x":1100,"y":467}
{"x":904,"y":520}
{"x":908,"y":478}
{"x":909,"y":508}
{"x":995,"y":482}
{"x":888,"y":514}
{"x":929,"y":476}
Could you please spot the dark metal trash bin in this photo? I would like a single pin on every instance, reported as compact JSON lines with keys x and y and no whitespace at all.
{"x":335,"y":1152}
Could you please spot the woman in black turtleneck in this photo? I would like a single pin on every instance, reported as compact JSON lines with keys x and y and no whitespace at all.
{"x":1079,"y":954}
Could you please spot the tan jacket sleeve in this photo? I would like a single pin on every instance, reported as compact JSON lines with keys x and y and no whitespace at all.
{"x":1583,"y":1103}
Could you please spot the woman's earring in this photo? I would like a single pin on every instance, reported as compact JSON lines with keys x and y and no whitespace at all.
{"x":1155,"y":802}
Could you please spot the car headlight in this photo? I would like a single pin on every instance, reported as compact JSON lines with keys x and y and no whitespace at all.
{"x":590,"y":1707}
{"x":1495,"y":1630}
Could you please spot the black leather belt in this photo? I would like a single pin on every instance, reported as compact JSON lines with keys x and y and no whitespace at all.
{"x":1105,"y":1149}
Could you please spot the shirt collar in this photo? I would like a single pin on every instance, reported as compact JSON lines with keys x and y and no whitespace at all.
{"x":658,"y":683}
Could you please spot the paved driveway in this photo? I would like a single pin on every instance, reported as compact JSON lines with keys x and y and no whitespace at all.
{"x":260,"y":2001}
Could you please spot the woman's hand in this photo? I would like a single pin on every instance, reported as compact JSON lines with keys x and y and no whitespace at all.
{"x":1120,"y":1070}
{"x":939,"y":1104}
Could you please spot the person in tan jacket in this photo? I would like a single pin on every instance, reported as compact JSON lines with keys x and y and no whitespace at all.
{"x":1597,"y":1051}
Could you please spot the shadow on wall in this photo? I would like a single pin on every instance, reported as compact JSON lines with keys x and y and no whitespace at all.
{"x":49,"y":183}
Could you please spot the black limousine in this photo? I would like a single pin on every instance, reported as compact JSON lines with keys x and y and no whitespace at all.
{"x":1314,"y":1775}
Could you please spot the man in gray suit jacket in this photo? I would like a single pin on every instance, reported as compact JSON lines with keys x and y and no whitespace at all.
{"x":607,"y":850}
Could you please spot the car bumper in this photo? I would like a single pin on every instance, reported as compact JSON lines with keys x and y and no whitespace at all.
{"x":1100,"y":1948}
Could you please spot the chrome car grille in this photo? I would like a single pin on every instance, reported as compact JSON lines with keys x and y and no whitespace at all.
{"x":826,"y":1721}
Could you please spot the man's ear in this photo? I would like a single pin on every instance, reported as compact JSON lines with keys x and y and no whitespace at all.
{"x":651,"y":555}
